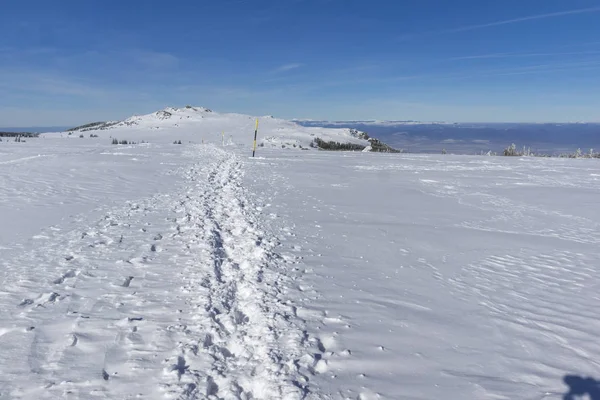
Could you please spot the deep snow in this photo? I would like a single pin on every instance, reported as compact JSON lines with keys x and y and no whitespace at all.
{"x":194,"y":271}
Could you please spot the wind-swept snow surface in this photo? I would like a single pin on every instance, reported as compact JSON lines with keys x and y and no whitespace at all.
{"x":445,"y":277}
{"x":193,"y":271}
{"x":179,"y":295}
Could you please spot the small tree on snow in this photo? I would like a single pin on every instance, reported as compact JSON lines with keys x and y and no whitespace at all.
{"x":511,"y":150}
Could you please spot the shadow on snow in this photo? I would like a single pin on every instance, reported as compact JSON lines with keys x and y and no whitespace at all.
{"x":579,"y":386}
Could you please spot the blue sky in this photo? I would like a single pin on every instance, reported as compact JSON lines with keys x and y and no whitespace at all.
{"x":73,"y":61}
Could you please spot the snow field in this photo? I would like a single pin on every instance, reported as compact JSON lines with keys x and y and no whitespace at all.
{"x":176,"y":296}
{"x":47,"y":181}
{"x":194,"y":271}
{"x":444,"y":276}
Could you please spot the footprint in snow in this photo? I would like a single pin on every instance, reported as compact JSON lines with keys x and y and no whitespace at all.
{"x":127,"y":281}
{"x":66,"y":275}
{"x":155,"y":248}
{"x":180,"y":367}
{"x":43,"y":299}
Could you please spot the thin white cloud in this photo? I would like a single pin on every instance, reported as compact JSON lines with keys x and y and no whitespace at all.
{"x":519,"y":70}
{"x":154,"y":59}
{"x":524,"y":55}
{"x":523,"y":70}
{"x":504,"y":22}
{"x":40,"y":82}
{"x":287,"y":67}
{"x":523,"y":19}
{"x":480,"y":56}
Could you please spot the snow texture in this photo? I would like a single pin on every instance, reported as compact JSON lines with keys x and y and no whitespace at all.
{"x":193,"y":271}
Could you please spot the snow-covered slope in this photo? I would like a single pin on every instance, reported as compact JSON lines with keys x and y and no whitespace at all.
{"x":198,"y":124}
{"x":161,"y":271}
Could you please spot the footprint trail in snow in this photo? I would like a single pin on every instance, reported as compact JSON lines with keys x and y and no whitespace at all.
{"x":178,"y":296}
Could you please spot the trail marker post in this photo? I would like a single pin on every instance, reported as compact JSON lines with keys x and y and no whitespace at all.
{"x":223,"y":138}
{"x":255,"y":133}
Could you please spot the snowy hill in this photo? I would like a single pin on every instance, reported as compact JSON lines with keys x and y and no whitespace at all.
{"x":199,"y":124}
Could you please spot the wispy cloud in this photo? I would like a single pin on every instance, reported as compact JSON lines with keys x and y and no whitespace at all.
{"x":287,"y":67}
{"x":523,"y":19}
{"x":154,"y":59}
{"x":39,"y":82}
{"x":359,"y":68}
{"x":503,"y":22}
{"x":523,"y":55}
{"x":537,"y":69}
{"x":546,"y":68}
{"x":522,"y":70}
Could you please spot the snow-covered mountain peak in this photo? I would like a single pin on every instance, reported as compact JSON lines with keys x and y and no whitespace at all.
{"x":187,"y":112}
{"x":201,"y":124}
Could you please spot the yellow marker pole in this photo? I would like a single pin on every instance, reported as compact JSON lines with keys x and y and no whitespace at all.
{"x":255,"y":133}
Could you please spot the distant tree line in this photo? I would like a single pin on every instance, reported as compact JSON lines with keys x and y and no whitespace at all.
{"x":117,"y":141}
{"x":512,"y":151}
{"x":19,"y":134}
{"x":92,"y":126}
{"x":376,"y":145}
{"x":336,"y":146}
{"x":380,"y":147}
{"x":82,"y":127}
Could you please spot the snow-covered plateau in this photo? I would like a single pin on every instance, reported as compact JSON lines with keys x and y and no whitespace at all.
{"x":157,"y":270}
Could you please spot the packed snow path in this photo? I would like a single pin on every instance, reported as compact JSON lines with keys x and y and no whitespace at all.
{"x":177,"y":296}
